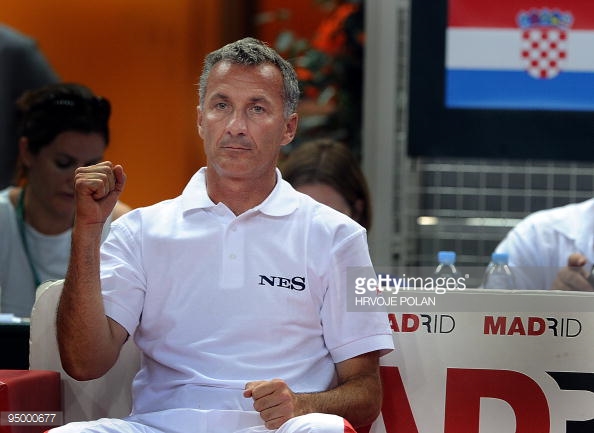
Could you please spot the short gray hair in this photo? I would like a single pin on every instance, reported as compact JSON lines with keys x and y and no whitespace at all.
{"x":251,"y":51}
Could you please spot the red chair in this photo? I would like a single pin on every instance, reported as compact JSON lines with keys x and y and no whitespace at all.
{"x":34,"y":394}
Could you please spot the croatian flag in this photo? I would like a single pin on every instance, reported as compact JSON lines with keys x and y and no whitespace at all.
{"x":520,"y":54}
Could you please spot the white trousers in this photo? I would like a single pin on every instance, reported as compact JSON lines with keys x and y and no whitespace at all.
{"x":207,"y":421}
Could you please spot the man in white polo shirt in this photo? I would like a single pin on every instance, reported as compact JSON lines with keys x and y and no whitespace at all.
{"x":235,"y":291}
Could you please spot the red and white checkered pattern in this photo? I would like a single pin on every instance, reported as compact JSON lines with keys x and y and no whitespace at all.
{"x":544,"y":51}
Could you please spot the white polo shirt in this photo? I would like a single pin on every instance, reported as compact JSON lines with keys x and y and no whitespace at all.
{"x":214,"y":300}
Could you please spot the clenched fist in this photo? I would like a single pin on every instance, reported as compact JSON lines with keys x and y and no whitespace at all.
{"x":97,"y":189}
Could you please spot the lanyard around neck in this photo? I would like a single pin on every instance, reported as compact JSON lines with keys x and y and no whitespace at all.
{"x":20,"y":213}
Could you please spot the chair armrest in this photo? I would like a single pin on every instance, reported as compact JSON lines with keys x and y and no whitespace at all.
{"x":29,"y":391}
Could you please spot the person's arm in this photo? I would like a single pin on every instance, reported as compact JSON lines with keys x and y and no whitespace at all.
{"x":89,"y":341}
{"x":357,"y":397}
{"x":573,"y":276}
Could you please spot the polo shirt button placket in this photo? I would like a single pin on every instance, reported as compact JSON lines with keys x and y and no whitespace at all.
{"x":233,"y":272}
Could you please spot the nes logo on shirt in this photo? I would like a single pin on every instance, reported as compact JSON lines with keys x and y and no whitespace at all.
{"x":293,"y":283}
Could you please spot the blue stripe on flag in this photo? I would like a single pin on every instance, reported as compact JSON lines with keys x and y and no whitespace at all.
{"x":517,"y":90}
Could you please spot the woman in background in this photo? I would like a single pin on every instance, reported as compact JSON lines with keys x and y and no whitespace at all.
{"x":62,"y":127}
{"x":327,"y":171}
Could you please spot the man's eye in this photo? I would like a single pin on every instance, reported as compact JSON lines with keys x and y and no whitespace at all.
{"x":257,"y":109}
{"x":221,"y":105}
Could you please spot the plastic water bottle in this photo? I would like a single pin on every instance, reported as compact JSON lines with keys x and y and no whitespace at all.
{"x":447,"y":267}
{"x":498,"y":274}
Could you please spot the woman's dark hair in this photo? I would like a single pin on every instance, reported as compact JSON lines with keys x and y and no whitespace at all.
{"x":330,"y":163}
{"x":46,"y":112}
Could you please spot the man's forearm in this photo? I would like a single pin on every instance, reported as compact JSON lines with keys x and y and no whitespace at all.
{"x":358,"y":400}
{"x":84,"y":334}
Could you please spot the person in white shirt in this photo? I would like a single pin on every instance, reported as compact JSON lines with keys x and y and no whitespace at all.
{"x":62,"y":126}
{"x":235,"y":291}
{"x":553,"y":249}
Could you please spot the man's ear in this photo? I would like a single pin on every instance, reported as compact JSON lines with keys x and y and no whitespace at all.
{"x":290,"y":129}
{"x":199,"y":120}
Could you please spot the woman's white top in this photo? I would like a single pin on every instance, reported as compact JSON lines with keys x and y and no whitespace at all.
{"x":49,"y":254}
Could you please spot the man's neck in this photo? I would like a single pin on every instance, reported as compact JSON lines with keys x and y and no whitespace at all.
{"x":239,"y":194}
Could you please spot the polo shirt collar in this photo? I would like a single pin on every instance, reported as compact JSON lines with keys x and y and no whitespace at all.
{"x":283,"y":200}
{"x":194,"y":195}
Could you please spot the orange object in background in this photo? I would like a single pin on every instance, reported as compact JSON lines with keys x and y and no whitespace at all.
{"x":145,"y":57}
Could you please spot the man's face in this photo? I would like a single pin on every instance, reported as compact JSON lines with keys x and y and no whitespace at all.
{"x":242,"y":121}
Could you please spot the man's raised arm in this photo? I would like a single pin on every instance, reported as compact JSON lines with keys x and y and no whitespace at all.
{"x":89,"y":341}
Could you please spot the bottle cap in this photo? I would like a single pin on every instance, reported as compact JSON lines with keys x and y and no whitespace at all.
{"x":500,"y":258}
{"x":447,"y":257}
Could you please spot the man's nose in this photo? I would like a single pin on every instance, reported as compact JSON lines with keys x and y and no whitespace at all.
{"x":237,"y":123}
